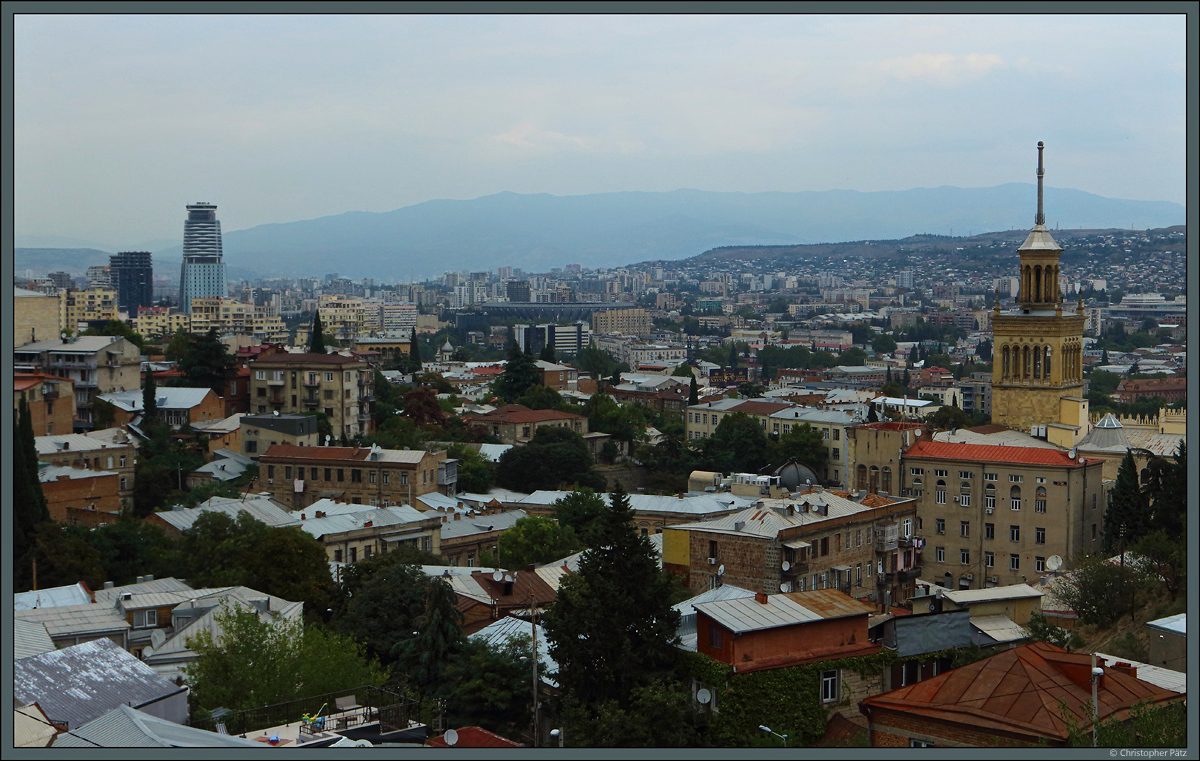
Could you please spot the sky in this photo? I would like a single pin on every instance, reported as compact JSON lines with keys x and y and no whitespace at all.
{"x":120,"y":121}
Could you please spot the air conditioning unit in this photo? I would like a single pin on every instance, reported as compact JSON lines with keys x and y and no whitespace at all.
{"x":957,"y":500}
{"x":712,"y":561}
{"x":988,"y":510}
{"x":993,"y":579}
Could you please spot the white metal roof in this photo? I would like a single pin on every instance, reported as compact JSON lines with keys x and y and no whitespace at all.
{"x":1010,"y":592}
{"x":723,"y":592}
{"x":1000,"y":628}
{"x":75,"y":442}
{"x":71,"y":594}
{"x":169,"y":398}
{"x":30,"y":638}
{"x":480,"y":524}
{"x":125,"y":727}
{"x":51,"y":473}
{"x":352,"y":521}
{"x":67,"y":620}
{"x":166,"y":584}
{"x":745,"y":614}
{"x":256,"y":507}
{"x":1168,"y":679}
{"x":499,"y":632}
{"x":1176,"y":623}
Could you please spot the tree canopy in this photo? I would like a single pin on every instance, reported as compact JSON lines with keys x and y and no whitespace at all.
{"x":553,"y":458}
{"x":207,"y":363}
{"x":519,"y":374}
{"x":1127,"y":517}
{"x":29,"y":503}
{"x":581,"y":511}
{"x":738,"y":445}
{"x":803,"y":444}
{"x":316,"y":339}
{"x":535,"y":540}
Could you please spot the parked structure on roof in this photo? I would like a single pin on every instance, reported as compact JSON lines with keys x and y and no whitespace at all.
{"x":299,"y":476}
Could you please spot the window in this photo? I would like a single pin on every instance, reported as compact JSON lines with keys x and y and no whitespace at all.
{"x":1093,"y":532}
{"x":1039,"y":535}
{"x":329,"y":393}
{"x":328,"y":474}
{"x":829,"y":686}
{"x":714,"y":637}
{"x":1016,"y":479}
{"x":825,"y":433}
{"x":251,"y":447}
{"x":356,"y":476}
{"x":122,"y":461}
{"x":964,"y":500}
{"x":329,"y":377}
{"x":1039,"y":500}
{"x":1014,"y":498}
{"x":384,"y":476}
{"x":1039,"y":564}
{"x":837,"y":435}
{"x":329,"y":412}
{"x":916,"y":471}
{"x":858,"y":575}
{"x":341,"y":474}
{"x":270,"y":471}
{"x":371,"y":476}
{"x":145,"y":619}
{"x":939,"y":526}
{"x":906,"y":528}
{"x":941,"y":554}
{"x":991,"y":477}
{"x":1014,"y":533}
{"x":404,"y":479}
{"x":123,"y":483}
{"x":940,"y":473}
{"x":887,"y":479}
{"x":287,"y":471}
{"x":353,"y":554}
{"x":989,"y":501}
{"x":965,"y":474}
{"x":277,"y":375}
{"x":836,"y":453}
{"x":312,"y":473}
{"x":939,"y":493}
{"x":1014,"y":562}
{"x":989,"y":559}
{"x":964,"y":528}
{"x":989,"y":531}
{"x":915,"y":743}
{"x":964,"y":556}
{"x":858,"y":538}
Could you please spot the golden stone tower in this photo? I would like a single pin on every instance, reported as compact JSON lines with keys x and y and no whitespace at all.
{"x":1037,"y":351}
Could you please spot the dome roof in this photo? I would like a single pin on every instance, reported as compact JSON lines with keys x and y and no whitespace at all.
{"x":794,"y":474}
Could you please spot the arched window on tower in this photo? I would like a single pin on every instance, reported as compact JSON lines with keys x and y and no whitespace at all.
{"x":1046,"y":363}
{"x":874,"y":484}
{"x":1025,"y":369}
{"x":1037,"y":362}
{"x":887,"y":480}
{"x":1037,"y":283}
{"x":861,"y":477}
{"x":1004,"y":371}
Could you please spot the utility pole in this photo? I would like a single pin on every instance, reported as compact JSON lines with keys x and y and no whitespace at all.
{"x":533,"y":630}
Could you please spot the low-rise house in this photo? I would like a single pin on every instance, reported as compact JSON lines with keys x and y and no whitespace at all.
{"x":111,"y":449}
{"x":261,"y":508}
{"x":351,"y":532}
{"x":225,"y":466}
{"x":80,"y":683}
{"x":687,"y":611}
{"x":51,"y":401}
{"x":74,"y":624}
{"x":126,"y":727}
{"x":1167,"y":645}
{"x":95,"y":364}
{"x":30,"y":638}
{"x":1022,"y":696}
{"x":80,"y":496}
{"x":178,"y":407}
{"x":222,"y":434}
{"x":302,"y":475}
{"x":258,"y":433}
{"x":69,"y":594}
{"x":813,"y":540}
{"x":517,"y":424}
{"x":485,"y":597}
{"x":467,"y":534}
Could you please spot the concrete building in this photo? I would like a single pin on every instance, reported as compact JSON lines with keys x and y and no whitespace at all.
{"x":132,"y":275}
{"x":630,"y":322}
{"x":82,"y":308}
{"x":517,"y":424}
{"x":352,"y":532}
{"x":258,"y":433}
{"x":178,"y":407}
{"x":36,"y":316}
{"x":341,"y":387}
{"x":80,"y":496}
{"x":203,"y":271}
{"x":112,"y":450}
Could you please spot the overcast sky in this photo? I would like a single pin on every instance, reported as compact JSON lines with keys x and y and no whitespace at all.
{"x":122,"y":120}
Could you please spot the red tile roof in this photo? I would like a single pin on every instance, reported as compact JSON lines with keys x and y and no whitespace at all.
{"x":940,"y":450}
{"x":519,"y":413}
{"x":306,"y":359}
{"x":760,"y":408}
{"x":22,"y":381}
{"x":473,"y":737}
{"x":1023,"y":691}
{"x":317,"y":453}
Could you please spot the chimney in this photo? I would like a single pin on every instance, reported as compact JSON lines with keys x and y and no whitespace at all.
{"x":141,"y":579}
{"x":760,"y":598}
{"x":457,"y":516}
{"x":149,"y":577}
{"x":108,"y":585}
{"x":368,"y":524}
{"x":1125,"y":668}
{"x":320,"y":514}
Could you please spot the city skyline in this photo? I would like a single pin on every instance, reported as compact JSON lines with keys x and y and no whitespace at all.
{"x":427,"y":107}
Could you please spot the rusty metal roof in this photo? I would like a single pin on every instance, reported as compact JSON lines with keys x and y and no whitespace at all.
{"x":1024,"y":691}
{"x":746,"y":614}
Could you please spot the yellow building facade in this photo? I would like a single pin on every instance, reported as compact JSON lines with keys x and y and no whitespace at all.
{"x":1037,"y":361}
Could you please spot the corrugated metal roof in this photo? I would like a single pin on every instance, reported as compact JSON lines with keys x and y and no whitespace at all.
{"x":31,"y":727}
{"x":51,"y":473}
{"x":175,"y":649}
{"x":30,"y":638}
{"x":1010,"y":592}
{"x":76,"y":442}
{"x":497,"y":633}
{"x":81,"y":682}
{"x":814,"y":415}
{"x":747,"y":614}
{"x":65,"y":620}
{"x":260,"y":509}
{"x":169,"y":397}
{"x":769,"y":520}
{"x":986,"y":437}
{"x":1176,"y":623}
{"x":723,"y":592}
{"x":85,"y":344}
{"x":696,"y":504}
{"x":1000,"y":628}
{"x":126,"y":727}
{"x":352,"y":521}
{"x":167,"y":584}
{"x":480,"y":524}
{"x":1168,"y":679}
{"x":492,"y":452}
{"x":71,"y":594}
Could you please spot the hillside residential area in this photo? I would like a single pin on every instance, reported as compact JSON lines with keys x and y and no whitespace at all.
{"x":931,"y":499}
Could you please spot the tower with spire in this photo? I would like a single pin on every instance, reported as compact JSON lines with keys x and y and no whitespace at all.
{"x":1037,"y":349}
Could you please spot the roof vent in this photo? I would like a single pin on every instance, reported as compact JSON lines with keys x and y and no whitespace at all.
{"x":760,"y":598}
{"x":739,"y":525}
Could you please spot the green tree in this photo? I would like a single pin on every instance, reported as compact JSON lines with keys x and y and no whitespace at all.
{"x":488,"y":685}
{"x":854,"y":356}
{"x":316,"y":337}
{"x":63,"y":557}
{"x":422,"y":658}
{"x":1148,"y":726}
{"x":658,"y":714}
{"x":606,"y":415}
{"x":683,"y":371}
{"x":547,"y":354}
{"x":733,"y":355}
{"x":149,"y":398}
{"x":421,"y":406}
{"x":475,"y":472}
{"x":117,"y":328}
{"x":693,"y":392}
{"x":1040,"y":628}
{"x":178,"y":346}
{"x":29,"y":503}
{"x":554,"y":457}
{"x":1165,"y":556}
{"x":1125,"y":519}
{"x":535,"y":540}
{"x":1167,"y":490}
{"x":414,"y":353}
{"x":256,"y":662}
{"x":1101,"y":592}
{"x":519,"y":374}
{"x":580,"y":512}
{"x":802,"y":443}
{"x":539,"y":397}
{"x":737,"y":445}
{"x":207,"y":363}
{"x":872,"y":414}
{"x":612,"y":628}
{"x":883,"y":344}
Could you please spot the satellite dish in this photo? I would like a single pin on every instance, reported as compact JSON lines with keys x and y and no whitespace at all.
{"x":787,"y":566}
{"x":932,"y":606}
{"x":451,"y":737}
{"x":1053,"y":563}
{"x":785,"y":587}
{"x":1071,"y":454}
{"x":721,"y":570}
{"x":1079,"y":460}
{"x":497,"y":576}
{"x":917,"y":432}
{"x":276,"y":413}
{"x":703,"y":696}
{"x":508,"y":577}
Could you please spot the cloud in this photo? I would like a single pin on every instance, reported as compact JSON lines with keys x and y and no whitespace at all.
{"x":529,"y":138}
{"x":940,"y":68}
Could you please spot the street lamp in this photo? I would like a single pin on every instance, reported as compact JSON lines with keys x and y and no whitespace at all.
{"x":557,"y":733}
{"x":770,"y":731}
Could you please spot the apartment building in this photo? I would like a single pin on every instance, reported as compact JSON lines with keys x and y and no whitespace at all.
{"x":630,"y":322}
{"x":299,"y":476}
{"x":831,"y":424}
{"x":111,"y":451}
{"x":813,"y":540}
{"x":994,"y":515}
{"x":36,"y":316}
{"x":95,"y":364}
{"x":83,"y":307}
{"x":341,"y":387}
{"x":156,"y":322}
{"x":51,"y":402}
{"x":702,"y":419}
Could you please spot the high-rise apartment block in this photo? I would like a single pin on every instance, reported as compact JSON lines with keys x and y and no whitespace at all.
{"x":203,"y":273}
{"x":132,"y":274}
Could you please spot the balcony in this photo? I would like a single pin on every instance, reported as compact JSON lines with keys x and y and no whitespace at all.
{"x":886,"y":545}
{"x":796,"y":569}
{"x":273,"y":382}
{"x":310,"y":401}
{"x":311,"y":382}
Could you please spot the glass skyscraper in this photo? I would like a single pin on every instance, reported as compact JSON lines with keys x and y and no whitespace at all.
{"x":132,"y":274}
{"x":203,"y":275}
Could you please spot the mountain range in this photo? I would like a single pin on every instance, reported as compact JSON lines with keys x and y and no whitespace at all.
{"x":540,"y":231}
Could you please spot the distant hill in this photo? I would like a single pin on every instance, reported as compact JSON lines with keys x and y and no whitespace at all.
{"x":538,"y":232}
{"x":38,"y":262}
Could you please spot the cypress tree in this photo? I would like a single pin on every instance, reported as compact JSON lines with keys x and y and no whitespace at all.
{"x":733,"y":358}
{"x":1128,"y":508}
{"x":693,"y":392}
{"x":316,"y":341}
{"x":872,"y":414}
{"x":548,"y":354}
{"x":149,"y":398}
{"x":29,"y":503}
{"x":414,"y":353}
